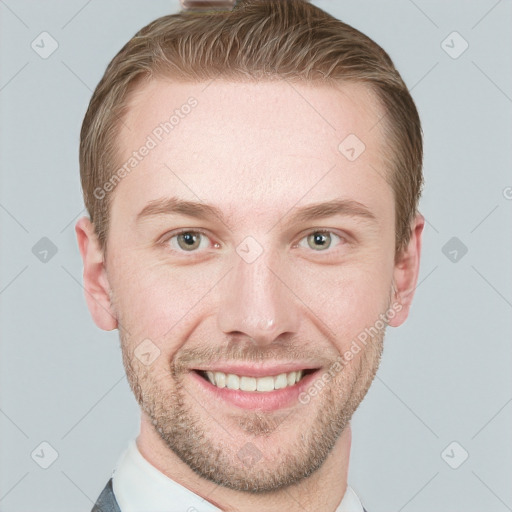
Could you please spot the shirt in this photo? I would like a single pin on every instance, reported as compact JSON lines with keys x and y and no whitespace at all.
{"x":139,"y":487}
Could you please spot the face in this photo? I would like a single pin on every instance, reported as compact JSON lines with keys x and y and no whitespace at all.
{"x":250,"y":269}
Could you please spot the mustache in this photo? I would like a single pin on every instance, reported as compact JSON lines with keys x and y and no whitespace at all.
{"x":241,"y":352}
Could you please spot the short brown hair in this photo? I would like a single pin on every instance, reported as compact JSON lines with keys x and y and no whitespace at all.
{"x":256,"y":40}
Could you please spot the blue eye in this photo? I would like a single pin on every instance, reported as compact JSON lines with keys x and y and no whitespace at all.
{"x":320,"y":240}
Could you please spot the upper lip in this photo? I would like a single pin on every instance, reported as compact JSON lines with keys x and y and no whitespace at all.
{"x":255,"y":370}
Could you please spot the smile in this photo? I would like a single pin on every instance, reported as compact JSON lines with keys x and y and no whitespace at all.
{"x":245,"y":383}
{"x":253,"y":387}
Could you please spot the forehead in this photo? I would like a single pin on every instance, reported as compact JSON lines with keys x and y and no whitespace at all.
{"x":304,"y":110}
{"x":252,"y":145}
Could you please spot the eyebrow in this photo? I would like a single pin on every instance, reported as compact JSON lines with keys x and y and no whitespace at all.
{"x":203,"y":211}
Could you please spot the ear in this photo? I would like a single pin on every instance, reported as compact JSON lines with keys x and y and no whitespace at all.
{"x":97,"y":288}
{"x":405,"y":274}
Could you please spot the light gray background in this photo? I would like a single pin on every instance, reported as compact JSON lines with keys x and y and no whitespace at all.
{"x":445,"y":374}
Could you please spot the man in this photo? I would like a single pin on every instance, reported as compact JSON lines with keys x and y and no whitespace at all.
{"x":252,"y":178}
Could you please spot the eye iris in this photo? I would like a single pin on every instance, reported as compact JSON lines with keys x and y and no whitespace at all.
{"x":189,"y":240}
{"x":323,"y":239}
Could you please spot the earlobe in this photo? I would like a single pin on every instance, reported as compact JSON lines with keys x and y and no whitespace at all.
{"x":405,"y":276}
{"x":96,"y":285}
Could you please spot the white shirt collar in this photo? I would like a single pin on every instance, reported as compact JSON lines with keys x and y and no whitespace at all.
{"x":140,"y":487}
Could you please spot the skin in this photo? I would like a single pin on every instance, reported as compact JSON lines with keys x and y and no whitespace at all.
{"x":258,"y":152}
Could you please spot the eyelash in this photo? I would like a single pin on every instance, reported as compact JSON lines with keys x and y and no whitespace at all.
{"x":166,"y":240}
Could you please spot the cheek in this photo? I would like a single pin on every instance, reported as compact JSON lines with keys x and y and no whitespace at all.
{"x":156,"y":301}
{"x":346,"y":298}
{"x":165,"y":303}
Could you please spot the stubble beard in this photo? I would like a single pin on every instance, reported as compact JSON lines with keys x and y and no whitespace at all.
{"x":171,"y":411}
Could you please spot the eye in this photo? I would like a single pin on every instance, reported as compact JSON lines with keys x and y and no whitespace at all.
{"x":320,"y":240}
{"x":189,"y":241}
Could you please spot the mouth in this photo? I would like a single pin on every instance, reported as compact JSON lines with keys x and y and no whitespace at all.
{"x":253,"y":387}
{"x":260,"y":384}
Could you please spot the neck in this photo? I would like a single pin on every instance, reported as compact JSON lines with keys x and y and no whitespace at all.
{"x":330,"y":478}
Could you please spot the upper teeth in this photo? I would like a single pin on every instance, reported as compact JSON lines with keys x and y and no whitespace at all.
{"x":231,"y":381}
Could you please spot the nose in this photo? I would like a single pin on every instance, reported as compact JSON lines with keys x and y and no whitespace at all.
{"x":256,"y":301}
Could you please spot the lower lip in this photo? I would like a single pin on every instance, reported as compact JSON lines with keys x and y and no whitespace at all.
{"x":257,"y":400}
